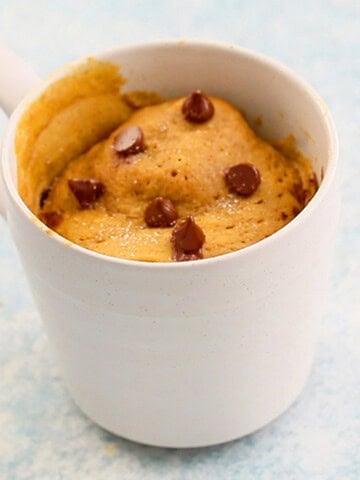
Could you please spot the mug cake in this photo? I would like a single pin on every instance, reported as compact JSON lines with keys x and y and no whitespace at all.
{"x":139,"y":177}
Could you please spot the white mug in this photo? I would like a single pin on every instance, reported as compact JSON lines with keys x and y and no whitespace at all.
{"x":194,"y":353}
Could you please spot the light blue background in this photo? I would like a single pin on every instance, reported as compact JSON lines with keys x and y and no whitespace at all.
{"x":42,"y":434}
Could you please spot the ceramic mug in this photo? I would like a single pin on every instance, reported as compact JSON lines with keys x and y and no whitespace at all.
{"x":194,"y":353}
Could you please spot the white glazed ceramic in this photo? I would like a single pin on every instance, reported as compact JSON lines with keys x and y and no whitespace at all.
{"x":195,"y":353}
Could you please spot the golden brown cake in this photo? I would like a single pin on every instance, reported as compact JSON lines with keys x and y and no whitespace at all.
{"x":179,"y":180}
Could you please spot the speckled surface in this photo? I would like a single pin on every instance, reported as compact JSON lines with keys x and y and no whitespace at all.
{"x":42,"y":433}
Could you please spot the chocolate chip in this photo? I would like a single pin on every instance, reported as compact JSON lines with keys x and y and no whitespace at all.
{"x":242,"y":179}
{"x":44,"y":195}
{"x":197,"y":108}
{"x":87,"y":192}
{"x":51,"y":219}
{"x":299,"y":193}
{"x":160,"y":212}
{"x":130,"y":141}
{"x":187,"y":241}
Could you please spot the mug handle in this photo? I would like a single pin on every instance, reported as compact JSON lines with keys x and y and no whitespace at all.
{"x":16,"y":78}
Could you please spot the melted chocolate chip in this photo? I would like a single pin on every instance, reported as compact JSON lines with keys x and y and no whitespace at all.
{"x":130,"y":141}
{"x":242,"y":179}
{"x":299,"y":193}
{"x":197,"y":108}
{"x":187,"y":241}
{"x":51,"y":219}
{"x":295,"y":211}
{"x":160,"y":212}
{"x":43,"y":197}
{"x":87,"y":192}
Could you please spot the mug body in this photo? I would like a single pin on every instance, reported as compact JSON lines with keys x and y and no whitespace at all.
{"x":195,"y":353}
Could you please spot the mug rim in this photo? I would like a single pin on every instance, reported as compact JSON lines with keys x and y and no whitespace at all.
{"x":8,"y":153}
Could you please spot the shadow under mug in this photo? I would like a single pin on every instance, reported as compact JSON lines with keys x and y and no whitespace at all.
{"x":195,"y":353}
